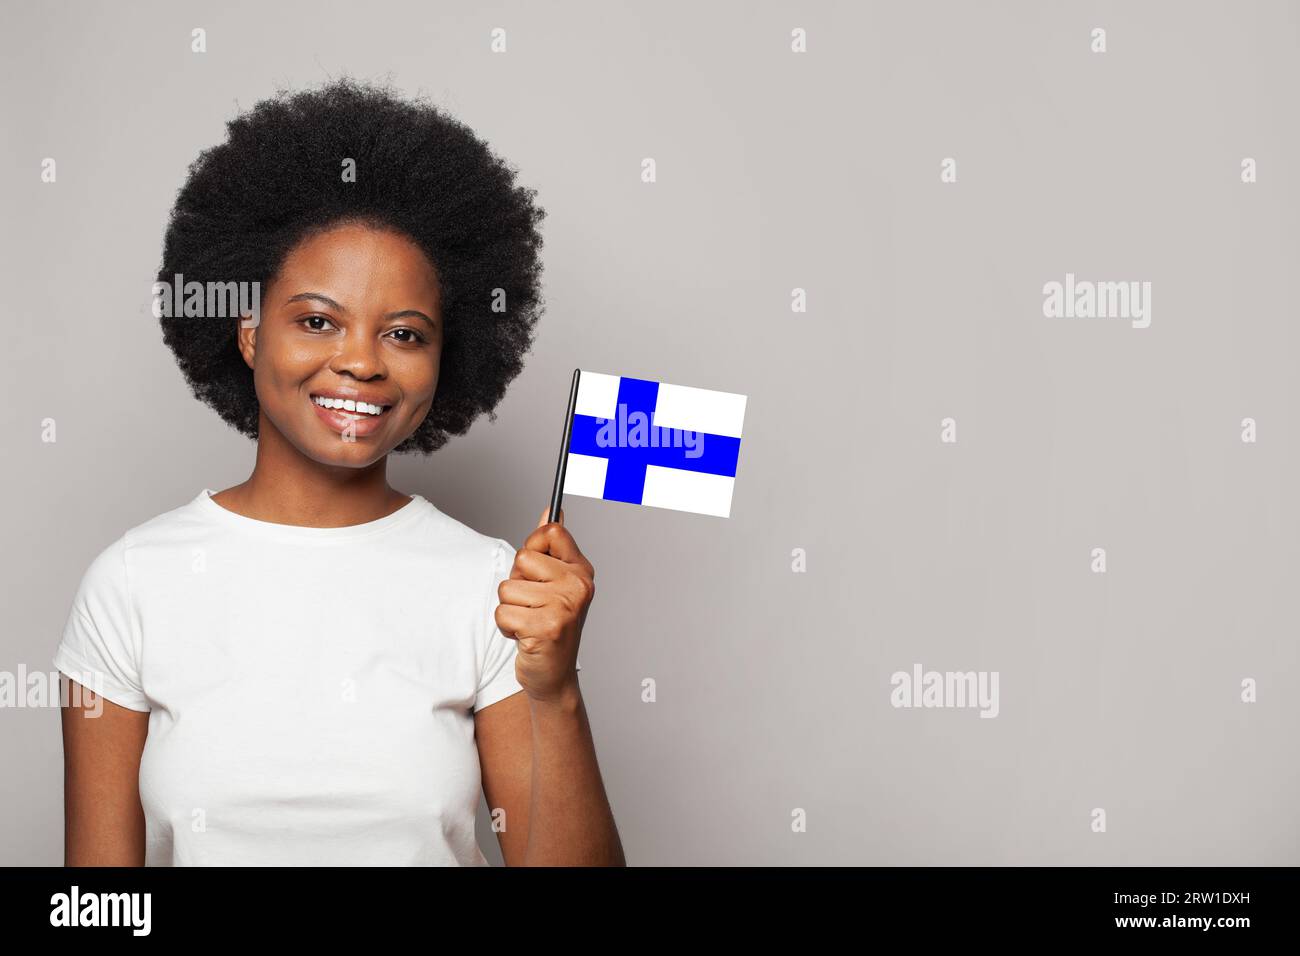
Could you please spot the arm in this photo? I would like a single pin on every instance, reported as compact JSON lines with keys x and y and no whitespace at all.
{"x":103,"y":821}
{"x":539,"y":765}
{"x":535,"y":748}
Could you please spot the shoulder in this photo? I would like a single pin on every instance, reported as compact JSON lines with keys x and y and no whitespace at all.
{"x":106,"y":571}
{"x":109,"y":568}
{"x":181,"y":522}
{"x":455,"y":536}
{"x":468,"y":563}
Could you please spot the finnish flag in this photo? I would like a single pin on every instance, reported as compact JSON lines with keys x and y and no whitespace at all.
{"x":652,"y":443}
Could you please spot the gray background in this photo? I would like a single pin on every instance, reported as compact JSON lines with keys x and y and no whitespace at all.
{"x":776,"y":171}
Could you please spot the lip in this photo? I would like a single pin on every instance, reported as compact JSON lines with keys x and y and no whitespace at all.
{"x":341,"y":421}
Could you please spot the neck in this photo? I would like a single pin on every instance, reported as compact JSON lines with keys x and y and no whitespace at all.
{"x":287,"y":487}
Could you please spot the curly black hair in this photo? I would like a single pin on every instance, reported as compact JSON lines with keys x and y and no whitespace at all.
{"x":278,"y":179}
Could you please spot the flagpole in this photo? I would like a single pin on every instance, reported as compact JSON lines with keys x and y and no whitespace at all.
{"x":557,"y":493}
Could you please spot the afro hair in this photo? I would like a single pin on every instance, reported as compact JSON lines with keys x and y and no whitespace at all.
{"x":277,"y":178}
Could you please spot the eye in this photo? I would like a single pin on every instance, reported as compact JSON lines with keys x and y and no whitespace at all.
{"x":312,"y":318}
{"x":415,"y":336}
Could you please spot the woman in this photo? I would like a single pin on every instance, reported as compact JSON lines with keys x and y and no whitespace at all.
{"x":312,"y":667}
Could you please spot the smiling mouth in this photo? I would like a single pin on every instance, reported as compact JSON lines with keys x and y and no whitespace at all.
{"x":349,"y":408}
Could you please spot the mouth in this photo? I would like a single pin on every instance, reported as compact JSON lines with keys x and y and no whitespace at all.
{"x":348,"y":414}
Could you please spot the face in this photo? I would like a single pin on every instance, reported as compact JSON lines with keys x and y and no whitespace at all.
{"x":353,"y":316}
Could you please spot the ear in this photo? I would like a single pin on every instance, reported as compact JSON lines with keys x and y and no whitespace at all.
{"x":246,"y":340}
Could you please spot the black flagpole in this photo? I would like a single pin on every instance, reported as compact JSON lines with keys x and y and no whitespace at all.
{"x":557,"y":494}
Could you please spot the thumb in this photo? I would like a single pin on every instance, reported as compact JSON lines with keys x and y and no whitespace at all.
{"x":546,"y":514}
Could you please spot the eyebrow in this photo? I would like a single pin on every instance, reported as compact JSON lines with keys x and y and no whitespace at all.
{"x":404,"y":313}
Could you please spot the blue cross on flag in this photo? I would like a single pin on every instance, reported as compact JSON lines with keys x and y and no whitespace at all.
{"x":651,"y":443}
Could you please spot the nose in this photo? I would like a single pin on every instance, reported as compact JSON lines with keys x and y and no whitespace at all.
{"x":358,"y":354}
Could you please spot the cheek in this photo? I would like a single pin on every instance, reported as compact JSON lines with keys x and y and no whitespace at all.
{"x":420,"y":379}
{"x":299,"y":355}
{"x":280,"y":367}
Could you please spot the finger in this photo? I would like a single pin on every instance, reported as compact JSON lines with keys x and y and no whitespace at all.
{"x":510,"y":619}
{"x":523,"y":593}
{"x":533,"y":565}
{"x":523,"y":622}
{"x":555,"y":540}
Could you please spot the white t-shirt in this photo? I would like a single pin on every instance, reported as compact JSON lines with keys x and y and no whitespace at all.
{"x":311,"y":690}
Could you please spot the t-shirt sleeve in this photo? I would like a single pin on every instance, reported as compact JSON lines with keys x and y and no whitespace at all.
{"x":497,"y":654}
{"x":497,"y":674}
{"x":99,"y":649}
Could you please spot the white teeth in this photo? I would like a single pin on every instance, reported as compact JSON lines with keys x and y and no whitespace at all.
{"x":348,"y":405}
